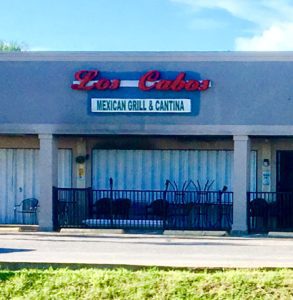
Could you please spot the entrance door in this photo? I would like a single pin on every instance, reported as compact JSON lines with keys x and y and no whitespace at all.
{"x":285,"y":189}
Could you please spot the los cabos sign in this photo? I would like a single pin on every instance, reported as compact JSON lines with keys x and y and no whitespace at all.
{"x":87,"y":80}
{"x":90,"y":80}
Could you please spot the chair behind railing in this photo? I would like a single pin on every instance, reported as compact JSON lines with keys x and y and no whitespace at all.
{"x":27,"y":208}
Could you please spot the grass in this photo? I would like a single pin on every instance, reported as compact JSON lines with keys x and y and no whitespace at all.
{"x":146,"y":284}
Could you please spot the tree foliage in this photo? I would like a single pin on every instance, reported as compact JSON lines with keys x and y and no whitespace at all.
{"x":9,"y":46}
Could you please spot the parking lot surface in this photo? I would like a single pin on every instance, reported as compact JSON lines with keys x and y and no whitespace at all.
{"x":146,"y":250}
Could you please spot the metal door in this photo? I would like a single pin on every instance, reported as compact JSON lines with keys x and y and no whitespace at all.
{"x":284,"y":197}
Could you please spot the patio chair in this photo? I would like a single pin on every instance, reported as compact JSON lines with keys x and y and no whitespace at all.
{"x":28,"y":209}
{"x":103,"y":208}
{"x":258,"y":210}
{"x":158,"y":209}
{"x":121,"y":207}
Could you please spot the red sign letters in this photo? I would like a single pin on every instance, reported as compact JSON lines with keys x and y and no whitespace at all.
{"x":88,"y":80}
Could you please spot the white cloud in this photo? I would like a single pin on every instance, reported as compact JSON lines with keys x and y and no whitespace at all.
{"x":279,"y":37}
{"x":272,"y":20}
{"x":261,"y":12}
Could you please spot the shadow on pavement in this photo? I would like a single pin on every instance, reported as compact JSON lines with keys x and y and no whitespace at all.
{"x":10,"y":250}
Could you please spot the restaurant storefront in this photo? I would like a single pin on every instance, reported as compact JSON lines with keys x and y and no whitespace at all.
{"x":187,"y":141}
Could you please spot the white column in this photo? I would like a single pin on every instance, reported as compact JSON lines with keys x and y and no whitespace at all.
{"x":48,"y":162}
{"x":241,"y":182}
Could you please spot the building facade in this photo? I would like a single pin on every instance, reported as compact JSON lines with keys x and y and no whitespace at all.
{"x":132,"y":120}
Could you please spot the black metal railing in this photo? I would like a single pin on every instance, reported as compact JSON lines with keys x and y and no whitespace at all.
{"x":71,"y":206}
{"x":143,"y":209}
{"x":270,"y":211}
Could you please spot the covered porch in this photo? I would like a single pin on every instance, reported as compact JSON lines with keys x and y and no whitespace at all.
{"x":213,"y":184}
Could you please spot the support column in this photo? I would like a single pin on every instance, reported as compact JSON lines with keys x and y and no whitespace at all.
{"x":241,"y":182}
{"x":48,"y":166}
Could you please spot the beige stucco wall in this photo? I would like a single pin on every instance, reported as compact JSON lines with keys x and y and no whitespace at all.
{"x":267,"y":148}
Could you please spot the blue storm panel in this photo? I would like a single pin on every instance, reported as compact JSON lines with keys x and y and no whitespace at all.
{"x":149,"y":169}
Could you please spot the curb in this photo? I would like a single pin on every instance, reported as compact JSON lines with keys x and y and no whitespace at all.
{"x":173,"y":233}
{"x":91,"y":231}
{"x":9,"y":230}
{"x":195,"y":233}
{"x":275,"y":234}
{"x":14,"y":266}
{"x":34,"y":230}
{"x":18,"y":228}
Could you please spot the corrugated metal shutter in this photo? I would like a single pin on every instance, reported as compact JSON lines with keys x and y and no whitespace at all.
{"x":65,"y":168}
{"x":253,"y":171}
{"x":149,"y":169}
{"x":18,"y":179}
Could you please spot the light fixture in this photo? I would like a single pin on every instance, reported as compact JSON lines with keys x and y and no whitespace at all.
{"x":82,"y":158}
{"x":266,"y":162}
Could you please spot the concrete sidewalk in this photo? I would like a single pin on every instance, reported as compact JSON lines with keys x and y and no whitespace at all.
{"x":145,"y":250}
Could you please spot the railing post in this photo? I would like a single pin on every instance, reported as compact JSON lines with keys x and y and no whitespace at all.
{"x":164,"y":215}
{"x":220,"y":213}
{"x":90,"y":202}
{"x":248,"y":211}
{"x":111,"y":201}
{"x":111,"y":207}
{"x":55,"y":208}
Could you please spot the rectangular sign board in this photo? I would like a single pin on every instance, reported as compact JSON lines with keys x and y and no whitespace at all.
{"x":117,"y":105}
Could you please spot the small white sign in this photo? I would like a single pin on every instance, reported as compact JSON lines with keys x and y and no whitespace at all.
{"x":266,"y":177}
{"x":114,"y":105}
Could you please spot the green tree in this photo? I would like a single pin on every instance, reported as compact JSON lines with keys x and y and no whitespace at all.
{"x":9,"y":46}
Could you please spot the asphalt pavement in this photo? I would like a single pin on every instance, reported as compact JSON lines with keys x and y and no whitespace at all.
{"x":145,"y":250}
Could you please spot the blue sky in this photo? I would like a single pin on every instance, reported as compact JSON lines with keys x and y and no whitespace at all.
{"x":148,"y":25}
